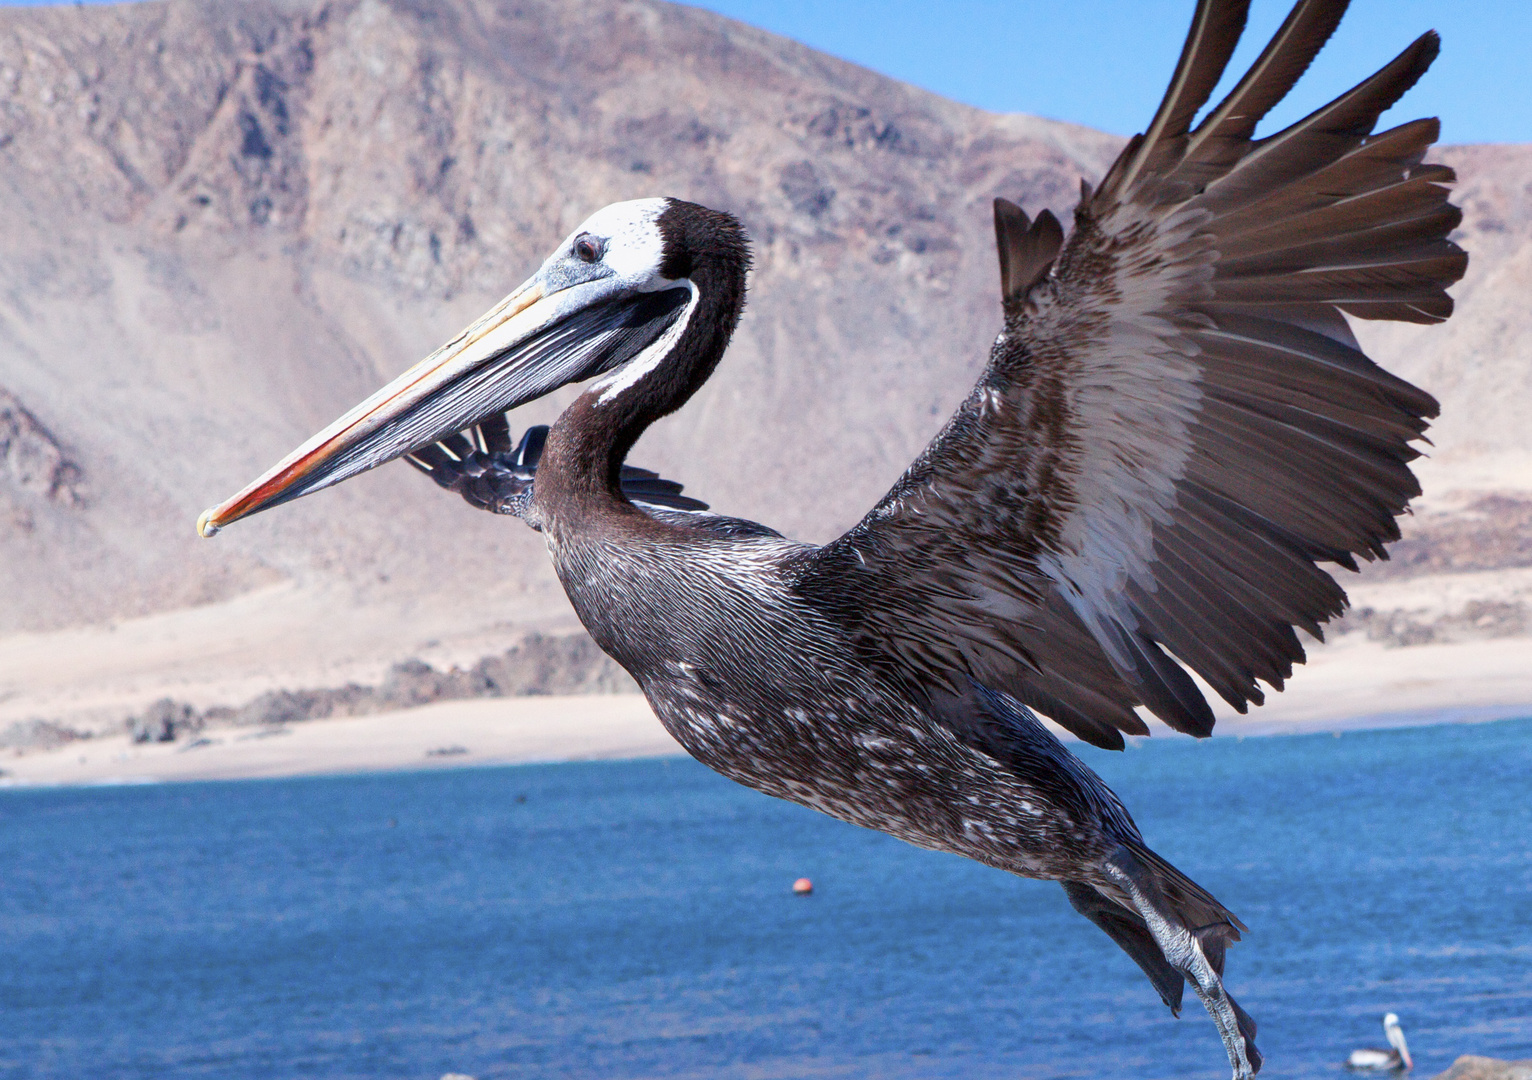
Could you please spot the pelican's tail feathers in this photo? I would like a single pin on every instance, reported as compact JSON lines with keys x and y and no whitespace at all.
{"x":1127,"y":928}
{"x":1196,"y":908}
{"x":1247,"y":1032}
{"x":1159,"y":906}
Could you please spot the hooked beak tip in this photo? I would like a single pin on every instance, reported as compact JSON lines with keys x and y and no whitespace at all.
{"x":205,"y":527}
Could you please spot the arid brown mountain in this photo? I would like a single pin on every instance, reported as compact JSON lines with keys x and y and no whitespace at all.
{"x":225,"y":222}
{"x":222,"y":223}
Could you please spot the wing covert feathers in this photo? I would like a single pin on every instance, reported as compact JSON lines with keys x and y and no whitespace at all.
{"x":1176,"y":424}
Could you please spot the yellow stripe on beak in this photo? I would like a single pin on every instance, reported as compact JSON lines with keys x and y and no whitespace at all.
{"x":514,"y":319}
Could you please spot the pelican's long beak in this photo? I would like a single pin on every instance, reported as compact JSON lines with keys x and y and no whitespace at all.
{"x":531,"y":343}
{"x":436,"y":397}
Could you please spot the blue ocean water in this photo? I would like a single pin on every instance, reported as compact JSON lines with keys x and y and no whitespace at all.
{"x":635,"y":919}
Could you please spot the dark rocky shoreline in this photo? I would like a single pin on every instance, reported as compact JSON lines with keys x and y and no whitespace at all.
{"x":540,"y":665}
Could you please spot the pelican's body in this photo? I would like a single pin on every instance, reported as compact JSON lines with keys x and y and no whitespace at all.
{"x":1373,"y":1059}
{"x":806,"y":721}
{"x":1175,"y":425}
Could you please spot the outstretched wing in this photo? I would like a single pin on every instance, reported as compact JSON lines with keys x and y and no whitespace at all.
{"x":1176,"y":423}
{"x":482,"y":465}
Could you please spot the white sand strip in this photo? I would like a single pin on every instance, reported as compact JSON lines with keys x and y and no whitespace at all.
{"x":1360,"y":683}
{"x":1350,"y":684}
{"x":479,"y":732}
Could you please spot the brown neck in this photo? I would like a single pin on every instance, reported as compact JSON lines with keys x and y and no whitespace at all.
{"x":582,"y":461}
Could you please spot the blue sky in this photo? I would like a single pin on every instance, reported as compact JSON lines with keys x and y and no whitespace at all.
{"x":1105,"y":62}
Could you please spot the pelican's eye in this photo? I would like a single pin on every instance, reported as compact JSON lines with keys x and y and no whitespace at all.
{"x":587,"y":249}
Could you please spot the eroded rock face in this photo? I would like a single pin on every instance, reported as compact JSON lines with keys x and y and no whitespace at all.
{"x":31,"y":460}
{"x":537,"y":666}
{"x":38,"y":734}
{"x":222,"y":223}
{"x":165,"y":720}
{"x":1490,"y":532}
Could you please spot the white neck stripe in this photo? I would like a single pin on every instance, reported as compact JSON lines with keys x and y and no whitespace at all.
{"x":651,"y":355}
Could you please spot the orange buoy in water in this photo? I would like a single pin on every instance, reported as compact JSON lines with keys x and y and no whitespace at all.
{"x":803,"y":886}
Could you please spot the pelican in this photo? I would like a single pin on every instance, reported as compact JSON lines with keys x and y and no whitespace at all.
{"x":1175,"y":426}
{"x":1373,"y":1059}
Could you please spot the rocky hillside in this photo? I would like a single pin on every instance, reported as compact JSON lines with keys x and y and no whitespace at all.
{"x":225,"y":222}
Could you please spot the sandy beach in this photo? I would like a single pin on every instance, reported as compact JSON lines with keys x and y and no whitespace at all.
{"x":449,"y":734}
{"x":1353,"y":684}
{"x":1445,"y":669}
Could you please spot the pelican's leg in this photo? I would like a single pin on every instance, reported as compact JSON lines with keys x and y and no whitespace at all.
{"x":1185,"y":953}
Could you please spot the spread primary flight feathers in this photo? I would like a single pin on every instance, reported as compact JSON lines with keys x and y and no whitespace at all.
{"x":1176,"y":423}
